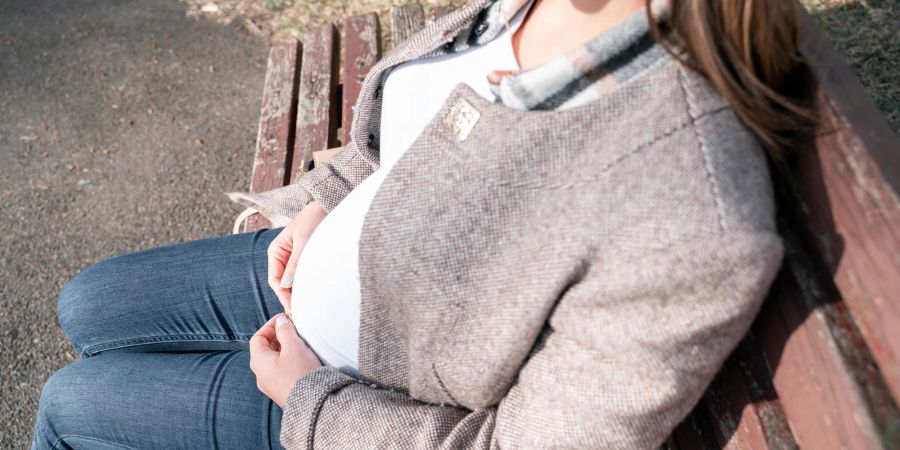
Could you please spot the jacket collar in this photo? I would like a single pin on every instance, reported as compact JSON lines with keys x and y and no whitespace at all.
{"x":603,"y":64}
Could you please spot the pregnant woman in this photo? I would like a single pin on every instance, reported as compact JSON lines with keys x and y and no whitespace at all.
{"x":552,"y":224}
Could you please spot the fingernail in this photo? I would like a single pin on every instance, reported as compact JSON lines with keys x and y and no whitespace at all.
{"x":287,"y":280}
{"x":280,"y":320}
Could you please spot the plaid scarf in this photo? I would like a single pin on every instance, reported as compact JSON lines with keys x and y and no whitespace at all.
{"x":603,"y":64}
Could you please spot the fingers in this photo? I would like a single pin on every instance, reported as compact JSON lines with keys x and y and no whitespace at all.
{"x":288,"y":270}
{"x":287,"y":280}
{"x":311,"y":215}
{"x":279,"y":252}
{"x":286,"y":333}
{"x":284,"y":252}
{"x":265,"y":338}
{"x":264,"y":347}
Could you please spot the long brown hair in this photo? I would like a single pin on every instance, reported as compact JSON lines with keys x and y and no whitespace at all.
{"x":748,"y":50}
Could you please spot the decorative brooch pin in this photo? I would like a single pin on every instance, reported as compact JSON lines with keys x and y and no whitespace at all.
{"x":461,"y":119}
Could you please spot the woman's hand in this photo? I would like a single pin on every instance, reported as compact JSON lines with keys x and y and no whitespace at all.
{"x":284,"y":251}
{"x":279,"y":358}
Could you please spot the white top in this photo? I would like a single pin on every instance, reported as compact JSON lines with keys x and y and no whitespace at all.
{"x":326,"y":294}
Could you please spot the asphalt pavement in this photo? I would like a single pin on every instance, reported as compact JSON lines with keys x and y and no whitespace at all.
{"x":122,"y":123}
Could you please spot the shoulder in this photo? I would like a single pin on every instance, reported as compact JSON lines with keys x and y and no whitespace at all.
{"x":685,"y":165}
{"x":735,"y":162}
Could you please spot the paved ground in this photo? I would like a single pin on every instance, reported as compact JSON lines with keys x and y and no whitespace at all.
{"x":121,"y":125}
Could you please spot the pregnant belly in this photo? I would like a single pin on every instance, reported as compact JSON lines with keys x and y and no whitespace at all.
{"x":326,"y":293}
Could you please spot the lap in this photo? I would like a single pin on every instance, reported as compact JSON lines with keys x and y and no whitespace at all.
{"x":184,"y":400}
{"x":206,"y":294}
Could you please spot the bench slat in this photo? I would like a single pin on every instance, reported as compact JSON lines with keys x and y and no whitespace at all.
{"x":362,"y":35}
{"x":821,"y":374}
{"x":443,"y":10}
{"x":742,"y":405}
{"x":849,"y":189}
{"x":406,"y":20}
{"x":317,"y":114}
{"x":275,"y":134}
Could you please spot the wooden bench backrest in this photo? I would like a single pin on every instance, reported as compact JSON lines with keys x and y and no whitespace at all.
{"x":821,"y":365}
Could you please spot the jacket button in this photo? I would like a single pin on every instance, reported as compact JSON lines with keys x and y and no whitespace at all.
{"x":481,"y":28}
{"x":370,"y":140}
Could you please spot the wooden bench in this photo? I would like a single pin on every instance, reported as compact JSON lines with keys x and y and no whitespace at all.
{"x":820,"y":367}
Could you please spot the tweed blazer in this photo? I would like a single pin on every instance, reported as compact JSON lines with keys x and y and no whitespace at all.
{"x":541,"y":279}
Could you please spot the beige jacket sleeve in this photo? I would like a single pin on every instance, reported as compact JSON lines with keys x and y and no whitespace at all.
{"x":326,"y":186}
{"x":623,"y":358}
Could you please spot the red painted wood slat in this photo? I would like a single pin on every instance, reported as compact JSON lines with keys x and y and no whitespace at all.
{"x":406,"y":20}
{"x":849,"y":189}
{"x":362,"y":36}
{"x":317,"y":113}
{"x":440,"y":11}
{"x":742,"y":406}
{"x":275,"y":135}
{"x":823,"y":385}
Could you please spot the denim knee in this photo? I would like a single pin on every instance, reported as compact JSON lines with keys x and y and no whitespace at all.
{"x":56,"y":405}
{"x":80,"y":300}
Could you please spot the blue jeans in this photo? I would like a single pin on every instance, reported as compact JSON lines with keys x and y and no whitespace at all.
{"x":162,"y":334}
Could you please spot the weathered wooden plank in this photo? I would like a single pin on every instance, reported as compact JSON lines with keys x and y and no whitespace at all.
{"x":742,"y":405}
{"x":406,"y":20}
{"x":739,"y":410}
{"x":847,"y":192}
{"x":362,"y":36}
{"x":317,"y":113}
{"x":443,"y":10}
{"x":827,"y":382}
{"x":275,"y":136}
